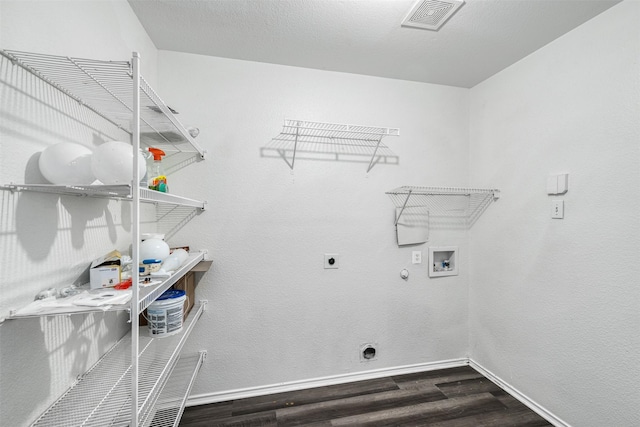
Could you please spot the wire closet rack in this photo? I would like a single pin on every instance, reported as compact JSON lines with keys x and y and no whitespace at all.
{"x":331,"y":142}
{"x":105,"y":87}
{"x":447,"y":205}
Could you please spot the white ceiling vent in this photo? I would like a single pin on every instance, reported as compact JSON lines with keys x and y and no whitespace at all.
{"x":431,"y":14}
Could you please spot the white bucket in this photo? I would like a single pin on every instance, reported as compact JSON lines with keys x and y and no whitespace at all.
{"x":164,"y":315}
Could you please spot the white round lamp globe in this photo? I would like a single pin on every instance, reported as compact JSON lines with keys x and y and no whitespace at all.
{"x":153,"y":249}
{"x":66,"y":163}
{"x":112,"y":163}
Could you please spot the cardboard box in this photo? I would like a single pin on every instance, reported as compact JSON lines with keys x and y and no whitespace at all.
{"x":187,"y":284}
{"x":105,"y":272}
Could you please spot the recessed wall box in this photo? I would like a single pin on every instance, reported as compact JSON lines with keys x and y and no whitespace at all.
{"x":443,"y":261}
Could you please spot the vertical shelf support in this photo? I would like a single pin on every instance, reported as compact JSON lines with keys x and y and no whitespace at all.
{"x":135,"y":289}
{"x":373,"y":156}
{"x":295,"y":147}
{"x":403,"y":206}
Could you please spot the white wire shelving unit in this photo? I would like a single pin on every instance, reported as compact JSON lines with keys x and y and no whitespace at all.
{"x":332,"y":142}
{"x":125,"y":384}
{"x":462,"y":206}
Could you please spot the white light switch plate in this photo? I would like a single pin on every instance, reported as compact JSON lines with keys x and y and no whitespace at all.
{"x":557,"y":209}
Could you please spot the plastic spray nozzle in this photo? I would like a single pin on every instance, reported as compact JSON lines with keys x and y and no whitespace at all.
{"x":157,"y":153}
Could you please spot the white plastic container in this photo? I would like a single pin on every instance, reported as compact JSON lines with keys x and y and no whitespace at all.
{"x":164,"y":315}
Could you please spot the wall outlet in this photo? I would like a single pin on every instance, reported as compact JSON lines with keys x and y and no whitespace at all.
{"x":331,"y":261}
{"x":416,"y":257}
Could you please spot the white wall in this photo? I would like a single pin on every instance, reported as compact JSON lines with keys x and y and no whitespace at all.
{"x":554,"y":303}
{"x":46,"y":240}
{"x":275,"y":314}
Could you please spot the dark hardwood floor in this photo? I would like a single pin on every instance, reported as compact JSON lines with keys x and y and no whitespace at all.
{"x":456,"y":397}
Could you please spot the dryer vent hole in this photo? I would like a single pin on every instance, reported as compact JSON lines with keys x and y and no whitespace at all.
{"x":369,"y":353}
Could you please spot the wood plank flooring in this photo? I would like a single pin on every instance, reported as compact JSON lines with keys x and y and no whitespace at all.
{"x":456,"y":397}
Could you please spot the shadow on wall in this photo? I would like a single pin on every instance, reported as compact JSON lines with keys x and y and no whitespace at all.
{"x":41,"y":357}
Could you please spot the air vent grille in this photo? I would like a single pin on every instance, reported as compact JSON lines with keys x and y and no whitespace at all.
{"x":431,"y":14}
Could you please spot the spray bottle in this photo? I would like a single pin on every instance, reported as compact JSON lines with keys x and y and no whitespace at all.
{"x":157,"y":177}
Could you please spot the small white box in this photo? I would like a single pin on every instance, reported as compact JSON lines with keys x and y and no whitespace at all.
{"x":104,"y":277}
{"x":558,"y":184}
{"x":105,"y":272}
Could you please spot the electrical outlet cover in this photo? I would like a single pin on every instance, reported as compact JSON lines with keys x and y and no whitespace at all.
{"x":331,"y":260}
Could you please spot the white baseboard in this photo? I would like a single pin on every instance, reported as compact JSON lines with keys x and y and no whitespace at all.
{"x":518,"y":395}
{"x":242,"y":393}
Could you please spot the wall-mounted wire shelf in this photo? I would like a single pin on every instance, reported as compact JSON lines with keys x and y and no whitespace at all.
{"x":106,"y":88}
{"x":451,"y":204}
{"x":109,"y":192}
{"x":102,"y":396}
{"x":151,"y":293}
{"x":332,"y":142}
{"x":146,"y":294}
{"x":170,"y":406}
{"x":172,"y":211}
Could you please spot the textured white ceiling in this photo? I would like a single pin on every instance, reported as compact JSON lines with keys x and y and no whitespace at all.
{"x":365,"y":36}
